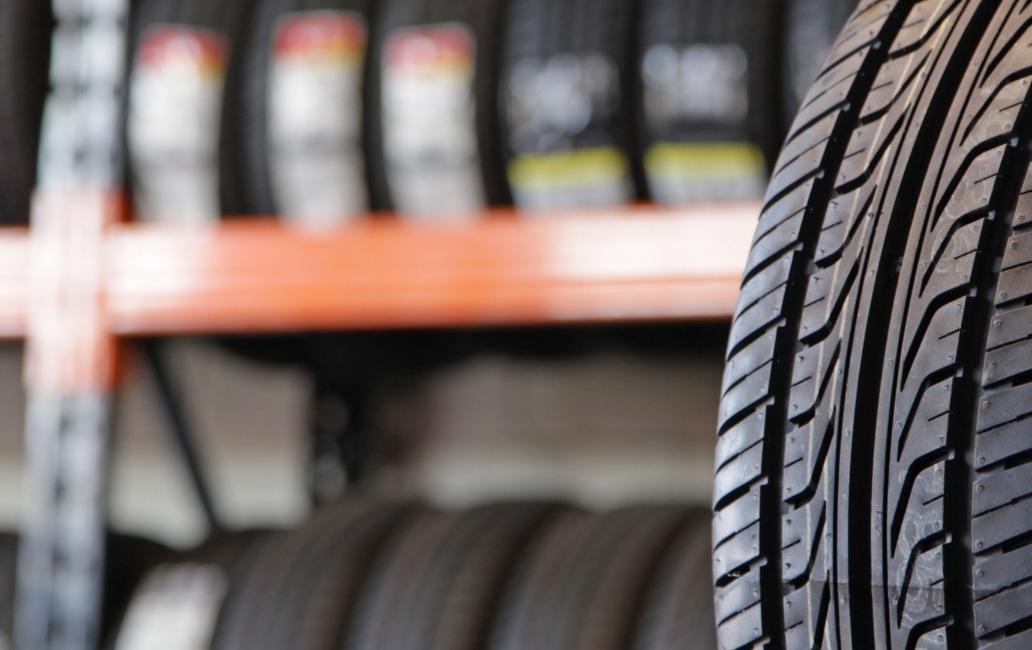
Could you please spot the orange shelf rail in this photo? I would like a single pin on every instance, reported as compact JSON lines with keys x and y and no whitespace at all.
{"x":639,"y":264}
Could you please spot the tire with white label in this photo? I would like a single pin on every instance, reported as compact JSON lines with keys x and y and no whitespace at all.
{"x":431,"y":108}
{"x":25,"y":29}
{"x":566,"y":83}
{"x":184,"y":76}
{"x":708,"y":98}
{"x":299,"y":125}
{"x":810,"y":30}
{"x":298,"y":589}
{"x":873,"y":474}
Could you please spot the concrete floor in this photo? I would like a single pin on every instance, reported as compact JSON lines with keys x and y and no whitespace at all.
{"x":602,"y":431}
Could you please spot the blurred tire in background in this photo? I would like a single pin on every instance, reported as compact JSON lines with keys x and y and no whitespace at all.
{"x":431,"y":119}
{"x":566,"y":78}
{"x":810,"y":28}
{"x":707,"y":98}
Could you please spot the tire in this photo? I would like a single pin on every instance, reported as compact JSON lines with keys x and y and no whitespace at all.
{"x":583,"y":583}
{"x":170,"y":181}
{"x":297,"y":589}
{"x":872,"y":483}
{"x":678,"y":607}
{"x":577,"y":153}
{"x":707,"y":98}
{"x":277,"y":178}
{"x":810,"y":28}
{"x":455,"y":587}
{"x":476,"y":177}
{"x":25,"y":30}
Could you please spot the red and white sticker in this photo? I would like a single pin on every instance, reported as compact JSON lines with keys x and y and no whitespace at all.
{"x":175,"y":106}
{"x":429,"y":121}
{"x":315,"y":117}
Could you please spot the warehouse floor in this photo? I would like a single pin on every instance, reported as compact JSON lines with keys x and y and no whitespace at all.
{"x":601,"y":431}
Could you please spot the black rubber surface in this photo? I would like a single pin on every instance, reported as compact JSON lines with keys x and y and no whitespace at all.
{"x":873,"y":483}
{"x":688,"y":48}
{"x":587,"y":45}
{"x":25,"y":29}
{"x":298,"y":588}
{"x":678,"y":606}
{"x":8,"y":573}
{"x":483,"y":19}
{"x":810,"y":28}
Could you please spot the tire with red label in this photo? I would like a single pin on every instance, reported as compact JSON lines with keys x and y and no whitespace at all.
{"x":184,"y":76}
{"x":431,"y":113}
{"x":25,"y":29}
{"x":708,"y":98}
{"x":582,"y":582}
{"x":300,"y":114}
{"x":566,"y":83}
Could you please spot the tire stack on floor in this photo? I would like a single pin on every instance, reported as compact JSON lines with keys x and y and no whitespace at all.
{"x":366,"y":575}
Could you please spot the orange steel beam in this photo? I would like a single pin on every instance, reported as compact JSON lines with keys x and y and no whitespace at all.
{"x":624,"y":265}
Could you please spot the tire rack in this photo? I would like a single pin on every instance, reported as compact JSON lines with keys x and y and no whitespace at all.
{"x":81,"y":279}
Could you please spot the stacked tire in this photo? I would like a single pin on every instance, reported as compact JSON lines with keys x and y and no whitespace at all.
{"x":873,"y":485}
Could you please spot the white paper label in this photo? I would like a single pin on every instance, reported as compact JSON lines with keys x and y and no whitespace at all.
{"x":429,"y":122}
{"x":315,"y":117}
{"x":173,"y":124}
{"x":174,"y":608}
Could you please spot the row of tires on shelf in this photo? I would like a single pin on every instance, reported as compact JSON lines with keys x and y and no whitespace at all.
{"x":369,"y":575}
{"x":325,"y":109}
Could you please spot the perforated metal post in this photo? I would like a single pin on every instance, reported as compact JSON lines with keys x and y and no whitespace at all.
{"x":70,"y":355}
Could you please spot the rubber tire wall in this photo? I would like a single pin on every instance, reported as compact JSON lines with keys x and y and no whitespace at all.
{"x":251,"y":130}
{"x":25,"y":29}
{"x":810,"y":28}
{"x":873,"y":485}
{"x":227,"y":17}
{"x":540,"y":29}
{"x":483,"y":17}
{"x":746,"y":23}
